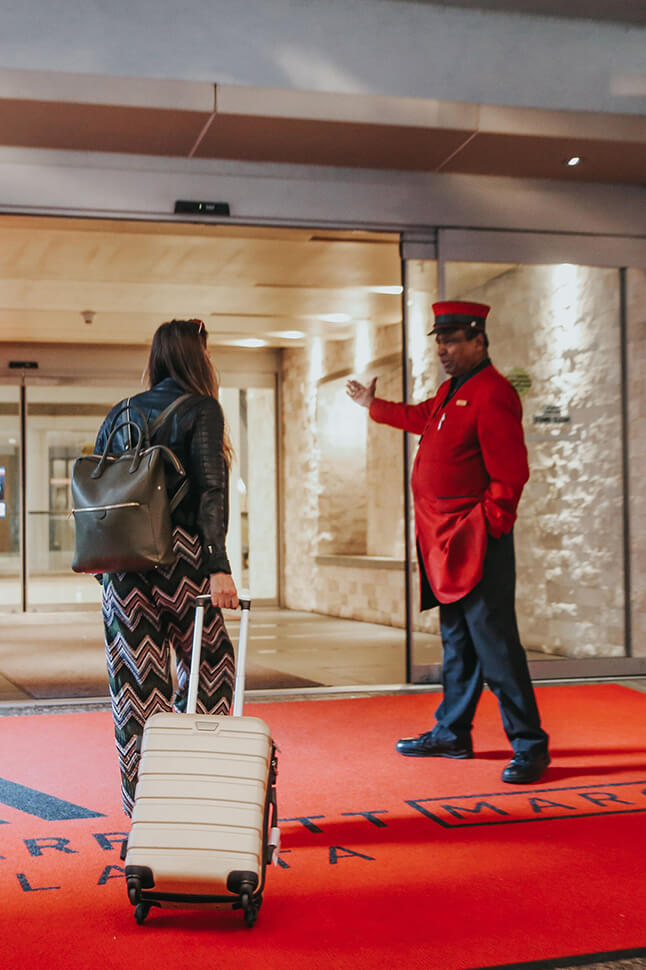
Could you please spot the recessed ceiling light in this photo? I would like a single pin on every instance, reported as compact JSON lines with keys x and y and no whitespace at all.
{"x":393,"y":290}
{"x":574,"y":160}
{"x":288,"y":334}
{"x":250,"y":342}
{"x":334,"y":317}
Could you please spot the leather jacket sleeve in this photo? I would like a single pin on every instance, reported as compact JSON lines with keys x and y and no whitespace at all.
{"x":209,"y":474}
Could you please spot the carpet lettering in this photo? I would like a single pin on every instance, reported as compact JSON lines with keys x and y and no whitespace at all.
{"x":363,"y":831}
{"x":507,"y":808}
{"x":111,"y":872}
{"x":371,"y":817}
{"x":113,"y":842}
{"x":340,"y":852}
{"x":305,"y":820}
{"x":37,"y":846}
{"x":27,"y":886}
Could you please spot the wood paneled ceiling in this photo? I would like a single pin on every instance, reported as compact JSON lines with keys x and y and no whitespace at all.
{"x":256,"y":283}
{"x":200,"y":120}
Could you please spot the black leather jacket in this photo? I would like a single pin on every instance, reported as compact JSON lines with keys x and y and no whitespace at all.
{"x":194,"y":432}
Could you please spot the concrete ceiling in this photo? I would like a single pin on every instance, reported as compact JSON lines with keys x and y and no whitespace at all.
{"x":202,"y":121}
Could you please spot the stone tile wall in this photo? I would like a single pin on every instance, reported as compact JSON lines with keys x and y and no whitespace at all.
{"x":560,"y":324}
{"x":637,"y":453}
{"x":337,"y":501}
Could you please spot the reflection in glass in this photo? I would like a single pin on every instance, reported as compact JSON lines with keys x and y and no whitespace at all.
{"x":250,"y":413}
{"x":62,"y":423}
{"x":554,"y":331}
{"x":636,"y":360}
{"x":10,"y":584}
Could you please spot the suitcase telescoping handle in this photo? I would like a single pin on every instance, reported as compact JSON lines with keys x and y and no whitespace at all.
{"x":241,"y":660}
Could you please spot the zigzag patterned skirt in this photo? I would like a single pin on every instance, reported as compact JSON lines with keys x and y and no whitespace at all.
{"x":146,"y":617}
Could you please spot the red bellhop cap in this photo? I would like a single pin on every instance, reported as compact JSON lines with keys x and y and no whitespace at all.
{"x":455,"y":314}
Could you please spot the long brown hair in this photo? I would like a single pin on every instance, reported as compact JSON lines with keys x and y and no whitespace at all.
{"x":178,"y":350}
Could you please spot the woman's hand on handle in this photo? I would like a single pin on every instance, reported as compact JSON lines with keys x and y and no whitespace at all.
{"x":223,"y":591}
{"x":361,"y":394}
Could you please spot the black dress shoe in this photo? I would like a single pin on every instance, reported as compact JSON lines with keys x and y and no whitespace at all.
{"x":525,"y":769}
{"x":426,"y":746}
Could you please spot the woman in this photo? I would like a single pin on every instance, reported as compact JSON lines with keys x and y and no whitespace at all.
{"x":145,"y":614}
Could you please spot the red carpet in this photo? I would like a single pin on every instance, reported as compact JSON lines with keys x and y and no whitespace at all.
{"x":397,"y":863}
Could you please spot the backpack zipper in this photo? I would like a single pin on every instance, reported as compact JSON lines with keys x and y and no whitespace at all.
{"x":106,"y":508}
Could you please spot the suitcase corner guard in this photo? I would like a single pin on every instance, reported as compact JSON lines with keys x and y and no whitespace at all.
{"x":138,"y":878}
{"x":240,"y":882}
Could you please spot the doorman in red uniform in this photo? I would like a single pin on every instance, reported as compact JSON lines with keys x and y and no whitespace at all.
{"x":468,"y":476}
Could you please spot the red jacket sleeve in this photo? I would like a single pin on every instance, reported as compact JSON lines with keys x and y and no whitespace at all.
{"x":500,"y":431}
{"x":408,"y":417}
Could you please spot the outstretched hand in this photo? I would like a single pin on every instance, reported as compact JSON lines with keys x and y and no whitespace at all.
{"x":361,"y":394}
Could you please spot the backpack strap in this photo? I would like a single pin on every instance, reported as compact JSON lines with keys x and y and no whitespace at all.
{"x":166,"y":413}
{"x":179,"y":495}
{"x":181,"y":491}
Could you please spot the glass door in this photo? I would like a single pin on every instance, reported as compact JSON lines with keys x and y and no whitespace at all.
{"x":10,"y":499}
{"x":557,"y":330}
{"x":62,"y":421}
{"x":250,"y":412}
{"x":555,"y":334}
{"x":423,"y":376}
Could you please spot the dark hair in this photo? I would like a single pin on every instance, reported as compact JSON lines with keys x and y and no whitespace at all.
{"x":472,"y":334}
{"x":178,"y":350}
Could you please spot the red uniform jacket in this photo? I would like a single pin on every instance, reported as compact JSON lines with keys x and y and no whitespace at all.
{"x":469,"y":472}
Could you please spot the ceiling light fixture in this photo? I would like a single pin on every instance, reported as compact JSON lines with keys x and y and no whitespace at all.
{"x":289,"y":334}
{"x":334,"y":317}
{"x":392,"y":290}
{"x":574,"y":160}
{"x":250,"y":342}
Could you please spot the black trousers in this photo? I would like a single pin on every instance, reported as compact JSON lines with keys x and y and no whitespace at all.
{"x":481,"y":643}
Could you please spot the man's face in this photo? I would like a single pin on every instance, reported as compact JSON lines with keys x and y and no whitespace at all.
{"x":458,"y":355}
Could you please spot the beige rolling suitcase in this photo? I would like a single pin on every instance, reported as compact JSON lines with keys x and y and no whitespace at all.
{"x":204,"y":824}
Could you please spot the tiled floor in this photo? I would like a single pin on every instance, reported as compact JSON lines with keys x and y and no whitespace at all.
{"x":54,"y":655}
{"x":60,"y":654}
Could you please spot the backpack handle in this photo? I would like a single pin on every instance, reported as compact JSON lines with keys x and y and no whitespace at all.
{"x":128,"y":407}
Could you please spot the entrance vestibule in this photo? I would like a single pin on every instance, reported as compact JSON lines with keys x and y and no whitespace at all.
{"x":319,"y":511}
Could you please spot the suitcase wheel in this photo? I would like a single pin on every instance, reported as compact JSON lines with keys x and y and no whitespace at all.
{"x":250,"y":908}
{"x":141,"y":912}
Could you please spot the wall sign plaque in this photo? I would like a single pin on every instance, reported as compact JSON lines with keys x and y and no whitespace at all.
{"x":551,"y":414}
{"x":520,"y":380}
